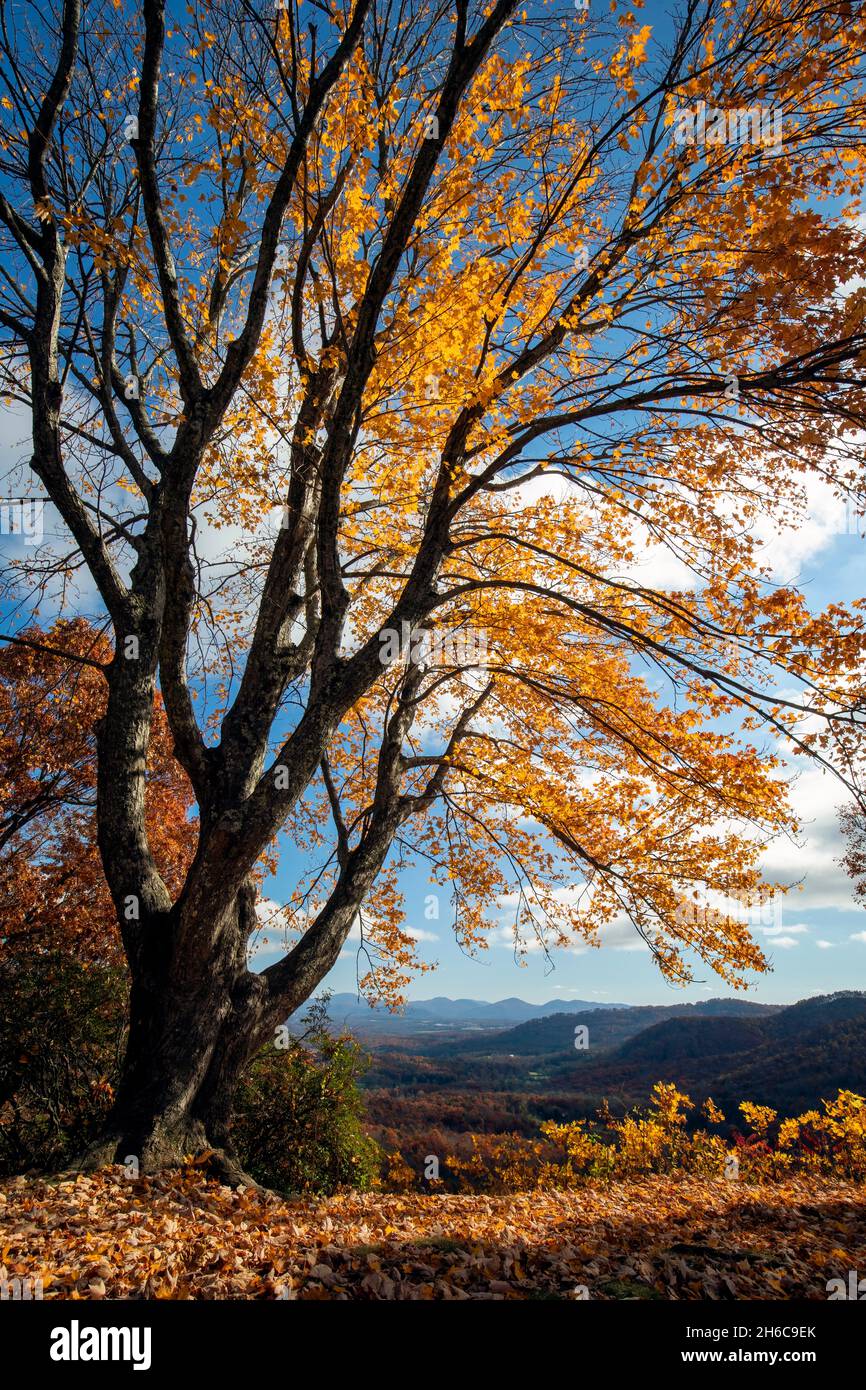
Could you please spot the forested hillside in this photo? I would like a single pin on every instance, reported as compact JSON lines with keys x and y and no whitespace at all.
{"x":786,"y":1058}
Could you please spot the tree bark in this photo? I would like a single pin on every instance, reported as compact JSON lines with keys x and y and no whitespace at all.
{"x":190,"y":1036}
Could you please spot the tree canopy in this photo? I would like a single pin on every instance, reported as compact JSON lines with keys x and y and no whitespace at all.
{"x":348,"y":327}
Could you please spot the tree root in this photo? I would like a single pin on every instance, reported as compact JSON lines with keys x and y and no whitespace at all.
{"x":222,"y":1165}
{"x":217,"y":1164}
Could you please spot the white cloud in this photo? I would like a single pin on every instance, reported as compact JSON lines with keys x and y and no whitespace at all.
{"x":815,"y":796}
{"x":419,"y":934}
{"x":786,"y":549}
{"x":778,"y":932}
{"x":618,"y":935}
{"x":274,"y":936}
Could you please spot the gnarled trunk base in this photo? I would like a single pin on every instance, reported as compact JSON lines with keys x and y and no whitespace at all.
{"x":174,"y":1102}
{"x":169,"y":1143}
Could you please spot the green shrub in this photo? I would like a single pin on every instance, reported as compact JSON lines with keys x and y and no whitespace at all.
{"x":61,"y":1038}
{"x":299,"y":1115}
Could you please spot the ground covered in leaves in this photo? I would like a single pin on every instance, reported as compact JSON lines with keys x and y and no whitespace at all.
{"x":179,"y":1236}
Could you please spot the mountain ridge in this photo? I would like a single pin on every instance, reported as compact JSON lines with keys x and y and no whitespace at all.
{"x":555,"y":1032}
{"x":442,"y":1011}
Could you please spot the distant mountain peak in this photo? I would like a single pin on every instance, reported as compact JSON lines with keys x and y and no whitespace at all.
{"x":444,"y":1012}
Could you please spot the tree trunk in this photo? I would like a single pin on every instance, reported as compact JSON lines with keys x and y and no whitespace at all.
{"x":189,"y":1040}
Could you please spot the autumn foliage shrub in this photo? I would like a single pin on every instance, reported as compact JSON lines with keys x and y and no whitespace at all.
{"x":500,"y":1163}
{"x":53,"y":894}
{"x":656,"y":1140}
{"x":830,"y":1142}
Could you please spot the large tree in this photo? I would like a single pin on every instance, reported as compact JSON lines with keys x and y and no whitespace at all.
{"x":450,"y":311}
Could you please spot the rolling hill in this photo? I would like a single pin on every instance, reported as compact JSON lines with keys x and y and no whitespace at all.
{"x":788,"y":1057}
{"x":554,"y":1035}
